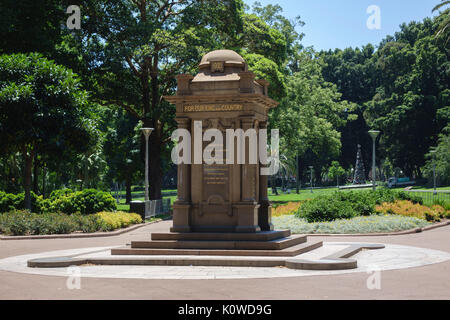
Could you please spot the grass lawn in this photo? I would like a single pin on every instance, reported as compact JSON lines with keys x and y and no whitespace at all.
{"x":304,"y":194}
{"x":126,"y":207}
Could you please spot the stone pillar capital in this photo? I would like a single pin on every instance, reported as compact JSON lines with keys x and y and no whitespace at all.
{"x":247,"y":121}
{"x":183,"y":123}
{"x":246,"y":82}
{"x":183,"y":82}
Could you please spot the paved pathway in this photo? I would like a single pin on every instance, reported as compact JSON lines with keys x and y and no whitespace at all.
{"x":426,"y":282}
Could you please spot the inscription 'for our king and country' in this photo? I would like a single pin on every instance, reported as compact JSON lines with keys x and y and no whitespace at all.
{"x":212,"y":107}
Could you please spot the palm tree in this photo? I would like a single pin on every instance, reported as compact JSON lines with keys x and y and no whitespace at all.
{"x":446,"y":20}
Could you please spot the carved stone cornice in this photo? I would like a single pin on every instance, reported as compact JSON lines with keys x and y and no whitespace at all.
{"x":232,"y":98}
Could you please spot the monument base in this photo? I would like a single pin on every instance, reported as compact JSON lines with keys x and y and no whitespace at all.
{"x":266,"y":243}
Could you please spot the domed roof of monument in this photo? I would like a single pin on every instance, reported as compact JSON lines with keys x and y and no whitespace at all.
{"x":227,"y":56}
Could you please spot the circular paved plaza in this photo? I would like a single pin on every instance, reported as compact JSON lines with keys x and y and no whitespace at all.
{"x":410,"y":266}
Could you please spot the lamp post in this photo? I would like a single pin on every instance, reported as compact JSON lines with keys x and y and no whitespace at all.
{"x":297,"y":177}
{"x":433,"y":152}
{"x":374,"y":134}
{"x":311,"y":170}
{"x":146,"y":132}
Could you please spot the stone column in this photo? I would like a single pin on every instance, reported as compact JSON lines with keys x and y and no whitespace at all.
{"x":181,"y":207}
{"x":265,"y":209}
{"x":248,"y":170}
{"x":247,"y":209}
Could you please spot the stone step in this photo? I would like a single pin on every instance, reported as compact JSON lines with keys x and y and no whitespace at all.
{"x":277,"y":244}
{"x":258,"y":236}
{"x":286,"y":252}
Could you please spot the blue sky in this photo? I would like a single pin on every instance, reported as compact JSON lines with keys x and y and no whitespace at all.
{"x":333,"y":24}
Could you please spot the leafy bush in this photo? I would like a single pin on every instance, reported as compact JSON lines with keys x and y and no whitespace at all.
{"x":9,"y":201}
{"x":67,"y":201}
{"x":363,"y":203}
{"x":401,"y":195}
{"x":326,"y":209}
{"x":85,"y":202}
{"x":56,"y":194}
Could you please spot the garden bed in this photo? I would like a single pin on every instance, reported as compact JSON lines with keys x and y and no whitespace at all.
{"x":356,"y":225}
{"x":366,"y":212}
{"x":23,"y":223}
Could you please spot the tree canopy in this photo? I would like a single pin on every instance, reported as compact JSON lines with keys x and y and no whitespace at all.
{"x":42,"y":110}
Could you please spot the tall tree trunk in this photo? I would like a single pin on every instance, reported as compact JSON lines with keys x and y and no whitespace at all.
{"x":151,"y":103}
{"x":43,"y":180}
{"x":86,"y":171}
{"x":128,"y":189}
{"x":35,"y":175}
{"x":155,"y":170}
{"x":27,"y":177}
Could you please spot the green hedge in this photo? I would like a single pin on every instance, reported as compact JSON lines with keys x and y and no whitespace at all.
{"x":66,"y":201}
{"x":348,"y":204}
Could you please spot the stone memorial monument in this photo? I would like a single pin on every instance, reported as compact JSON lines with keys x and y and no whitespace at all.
{"x":222,"y":208}
{"x":221,"y":197}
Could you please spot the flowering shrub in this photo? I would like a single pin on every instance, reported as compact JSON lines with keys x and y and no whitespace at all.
{"x":115,"y":220}
{"x":407,"y":208}
{"x":344,"y":205}
{"x":285,"y":209}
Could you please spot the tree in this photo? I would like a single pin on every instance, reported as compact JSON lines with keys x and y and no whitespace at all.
{"x":441,"y":157}
{"x":155,"y":40}
{"x":42,"y":111}
{"x":268,"y":43}
{"x":309,"y":115}
{"x":444,"y":25}
{"x":31,"y":25}
{"x":354,"y":73}
{"x":335,"y":171}
{"x":414,"y":87}
{"x":122,"y":150}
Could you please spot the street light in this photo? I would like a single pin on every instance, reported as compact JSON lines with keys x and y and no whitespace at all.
{"x":311,"y":169}
{"x":433,"y":153}
{"x":374,"y":134}
{"x":146,"y":132}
